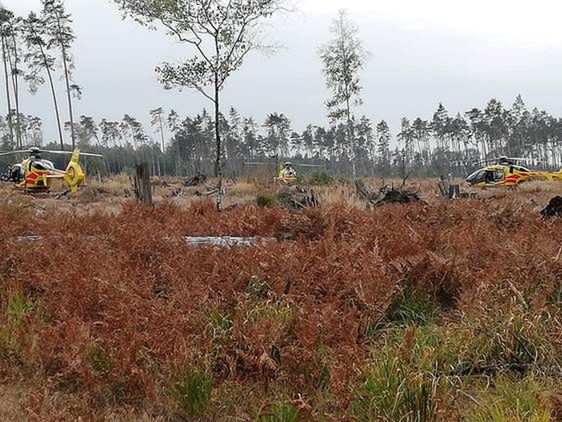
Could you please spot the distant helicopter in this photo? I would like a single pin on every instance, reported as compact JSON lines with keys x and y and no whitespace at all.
{"x":35,"y":174}
{"x":287,"y":173}
{"x":506,"y":172}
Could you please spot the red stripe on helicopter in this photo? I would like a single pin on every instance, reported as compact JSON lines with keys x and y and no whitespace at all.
{"x":31,"y":178}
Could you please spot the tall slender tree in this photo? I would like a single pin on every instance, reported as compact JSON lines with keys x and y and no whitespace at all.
{"x":5,"y":18}
{"x":220,"y":32}
{"x":158,"y":123}
{"x":60,"y":36}
{"x":383,"y":147}
{"x":39,"y":61}
{"x":343,"y":59}
{"x":10,"y":31}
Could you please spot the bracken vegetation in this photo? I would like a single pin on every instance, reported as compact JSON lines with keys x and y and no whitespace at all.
{"x":412,"y":313}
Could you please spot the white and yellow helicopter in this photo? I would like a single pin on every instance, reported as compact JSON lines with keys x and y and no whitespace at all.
{"x":508,"y":172}
{"x":35,"y":174}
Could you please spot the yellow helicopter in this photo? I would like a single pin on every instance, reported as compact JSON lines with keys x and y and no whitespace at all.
{"x":286,"y":173}
{"x":36,"y":175}
{"x":508,"y":172}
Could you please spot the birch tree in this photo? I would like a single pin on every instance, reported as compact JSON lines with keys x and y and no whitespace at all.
{"x":219,"y":33}
{"x":343,"y":58}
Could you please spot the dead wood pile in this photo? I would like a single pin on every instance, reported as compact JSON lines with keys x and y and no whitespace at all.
{"x":385,"y":195}
{"x":298,"y":197}
{"x":197,"y":180}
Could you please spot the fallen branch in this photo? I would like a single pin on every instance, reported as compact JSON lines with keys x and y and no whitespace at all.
{"x":222,"y":241}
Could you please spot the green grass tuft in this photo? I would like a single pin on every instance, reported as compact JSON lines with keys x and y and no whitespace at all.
{"x":191,"y":391}
{"x":393,"y":392}
{"x":512,"y":399}
{"x":410,"y":307}
{"x":18,"y":308}
{"x":256,"y":289}
{"x":98,"y":358}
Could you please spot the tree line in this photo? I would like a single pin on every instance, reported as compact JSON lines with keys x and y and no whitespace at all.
{"x":184,"y":145}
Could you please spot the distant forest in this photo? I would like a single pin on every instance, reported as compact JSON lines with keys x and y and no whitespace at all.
{"x":37,"y":48}
{"x":177,"y":145}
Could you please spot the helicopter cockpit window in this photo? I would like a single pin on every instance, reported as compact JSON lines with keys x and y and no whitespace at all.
{"x":498,"y":175}
{"x":42,"y":165}
{"x":477,"y":177}
{"x":493,"y":176}
{"x":39,"y":166}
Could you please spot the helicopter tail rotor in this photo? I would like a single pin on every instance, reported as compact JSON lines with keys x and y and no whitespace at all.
{"x":74,"y":175}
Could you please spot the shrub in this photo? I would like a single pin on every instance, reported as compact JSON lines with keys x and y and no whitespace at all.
{"x":191,"y":391}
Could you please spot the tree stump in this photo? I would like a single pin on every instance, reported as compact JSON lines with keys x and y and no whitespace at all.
{"x":142,"y":185}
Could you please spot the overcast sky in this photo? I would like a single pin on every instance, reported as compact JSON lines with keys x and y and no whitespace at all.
{"x":460,"y":53}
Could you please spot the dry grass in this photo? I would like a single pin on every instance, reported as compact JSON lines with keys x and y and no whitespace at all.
{"x":12,"y":403}
{"x":113,"y":317}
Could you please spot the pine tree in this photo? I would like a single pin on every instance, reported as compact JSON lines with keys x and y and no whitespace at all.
{"x":59,"y":37}
{"x":39,"y":61}
{"x":383,"y":148}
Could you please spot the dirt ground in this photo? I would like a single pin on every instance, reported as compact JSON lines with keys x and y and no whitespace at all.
{"x":109,"y":195}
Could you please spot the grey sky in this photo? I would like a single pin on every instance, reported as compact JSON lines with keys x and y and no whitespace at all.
{"x":423,"y":52}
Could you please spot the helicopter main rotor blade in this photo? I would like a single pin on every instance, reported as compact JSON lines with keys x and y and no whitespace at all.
{"x":15,"y":152}
{"x":89,"y":154}
{"x":85,"y":154}
{"x":55,"y":152}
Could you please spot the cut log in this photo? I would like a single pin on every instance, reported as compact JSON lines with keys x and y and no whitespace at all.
{"x":219,"y":241}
